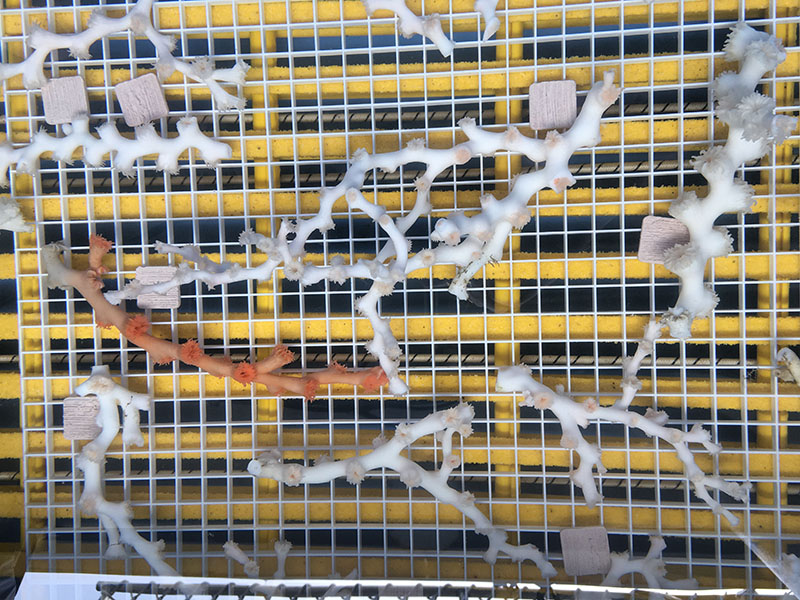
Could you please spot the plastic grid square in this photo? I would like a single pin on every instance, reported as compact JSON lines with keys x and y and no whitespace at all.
{"x":570,"y":298}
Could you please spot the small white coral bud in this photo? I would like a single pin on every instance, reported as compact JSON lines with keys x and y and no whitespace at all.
{"x":447,"y":232}
{"x":685,"y":207}
{"x":657,"y":416}
{"x":282,"y":547}
{"x":383,"y":288}
{"x":519,"y":218}
{"x":100,"y":385}
{"x":88,"y":504}
{"x":713,"y":163}
{"x":680,"y":324}
{"x":769,"y":51}
{"x":462,"y":154}
{"x":466,"y":499}
{"x":354,"y":471}
{"x":542,"y":400}
{"x":115,"y":552}
{"x":293,"y":270}
{"x":718,"y":242}
{"x":270,"y":457}
{"x":360,"y":155}
{"x":465,"y":430}
{"x":631,"y":383}
{"x":451,"y":461}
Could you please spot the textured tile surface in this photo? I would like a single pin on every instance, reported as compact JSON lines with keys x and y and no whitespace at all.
{"x":141,"y":99}
{"x":63,"y":99}
{"x":553,"y":104}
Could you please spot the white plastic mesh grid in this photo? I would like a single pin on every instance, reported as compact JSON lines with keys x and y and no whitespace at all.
{"x":569,"y":298}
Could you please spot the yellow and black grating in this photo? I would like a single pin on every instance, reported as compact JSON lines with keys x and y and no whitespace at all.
{"x":569,"y":298}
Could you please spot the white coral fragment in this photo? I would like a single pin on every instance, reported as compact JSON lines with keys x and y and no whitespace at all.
{"x":282,"y":548}
{"x":574,"y":415}
{"x":123,"y":151}
{"x":390,"y":456}
{"x":468,"y":242}
{"x":651,"y":567}
{"x":115,"y":517}
{"x":429,"y":26}
{"x":234,"y":552}
{"x":752,"y":128}
{"x":11,"y":218}
{"x":488,"y":10}
{"x":139,"y":21}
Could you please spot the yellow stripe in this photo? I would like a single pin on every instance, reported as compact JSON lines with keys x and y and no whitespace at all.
{"x":376,"y":509}
{"x":579,"y":202}
{"x":416,"y":79}
{"x":389,"y":80}
{"x":334,"y":146}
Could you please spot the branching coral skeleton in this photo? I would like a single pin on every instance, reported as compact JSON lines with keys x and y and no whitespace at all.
{"x":251,"y":568}
{"x":135,"y":328}
{"x":651,"y":567}
{"x":752,"y":129}
{"x":430,"y":26}
{"x":469,"y":242}
{"x":114,"y":517}
{"x":574,"y":415}
{"x":124,"y":151}
{"x":139,"y":21}
{"x":388,"y":455}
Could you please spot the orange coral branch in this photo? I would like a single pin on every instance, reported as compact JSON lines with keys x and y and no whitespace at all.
{"x":98,"y":248}
{"x":136,"y":328}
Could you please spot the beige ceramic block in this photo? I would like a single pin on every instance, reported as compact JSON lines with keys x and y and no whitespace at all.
{"x":585,"y":551}
{"x":150,"y":275}
{"x":141,"y":99}
{"x":659,"y":234}
{"x":553,"y":104}
{"x":80,"y":417}
{"x":64,"y":99}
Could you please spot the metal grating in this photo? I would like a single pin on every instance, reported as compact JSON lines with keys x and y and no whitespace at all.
{"x":569,"y":298}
